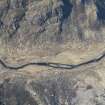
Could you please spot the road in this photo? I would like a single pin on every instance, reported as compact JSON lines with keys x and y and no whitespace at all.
{"x":51,"y":64}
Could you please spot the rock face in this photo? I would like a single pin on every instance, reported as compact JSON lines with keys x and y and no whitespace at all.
{"x":51,"y":28}
{"x":46,"y":24}
{"x":56,"y":89}
{"x":31,"y":22}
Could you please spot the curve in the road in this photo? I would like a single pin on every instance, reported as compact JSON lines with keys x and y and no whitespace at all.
{"x":51,"y":64}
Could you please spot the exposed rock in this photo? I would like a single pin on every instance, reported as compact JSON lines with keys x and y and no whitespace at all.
{"x":45,"y":25}
{"x":41,"y":21}
{"x":56,"y":89}
{"x":61,"y":31}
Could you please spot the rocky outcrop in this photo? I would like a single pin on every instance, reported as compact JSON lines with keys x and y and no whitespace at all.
{"x":31,"y":22}
{"x":57,"y":89}
{"x":60,"y":26}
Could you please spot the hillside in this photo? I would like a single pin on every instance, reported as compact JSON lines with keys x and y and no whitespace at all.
{"x":52,"y":52}
{"x":40,"y":25}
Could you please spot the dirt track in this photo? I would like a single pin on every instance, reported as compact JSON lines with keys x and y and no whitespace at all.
{"x":53,"y":65}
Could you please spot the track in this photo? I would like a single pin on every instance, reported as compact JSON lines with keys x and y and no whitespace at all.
{"x":51,"y":64}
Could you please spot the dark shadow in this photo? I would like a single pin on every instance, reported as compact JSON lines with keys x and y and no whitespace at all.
{"x":1,"y":24}
{"x":67,"y":9}
{"x":85,"y":2}
{"x":100,"y":4}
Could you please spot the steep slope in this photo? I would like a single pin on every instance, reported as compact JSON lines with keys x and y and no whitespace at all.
{"x":66,"y":39}
{"x":47,"y":27}
{"x":31,"y":22}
